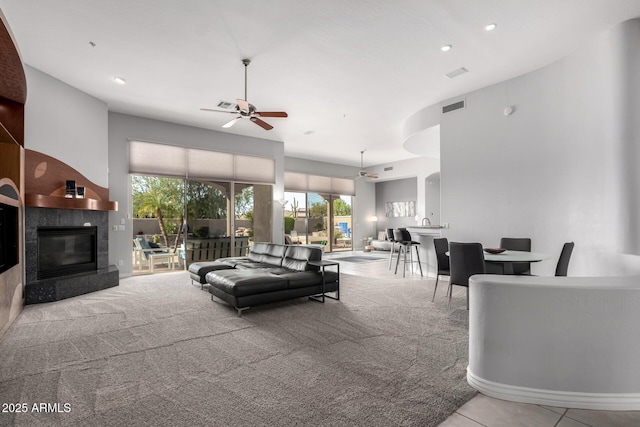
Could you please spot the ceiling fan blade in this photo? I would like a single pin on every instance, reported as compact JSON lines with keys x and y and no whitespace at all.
{"x":231,"y":123}
{"x":243,"y":105}
{"x":264,"y":125}
{"x":217,"y":111}
{"x":372,"y":175}
{"x":271,"y":114}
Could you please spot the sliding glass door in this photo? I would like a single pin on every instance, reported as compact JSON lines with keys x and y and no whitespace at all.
{"x":200,"y":220}
{"x":318,"y":219}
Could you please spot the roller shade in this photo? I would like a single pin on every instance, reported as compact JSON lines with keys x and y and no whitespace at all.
{"x":168,"y":160}
{"x":295,"y":181}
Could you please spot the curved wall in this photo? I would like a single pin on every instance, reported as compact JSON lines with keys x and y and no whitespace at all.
{"x":570,"y":342}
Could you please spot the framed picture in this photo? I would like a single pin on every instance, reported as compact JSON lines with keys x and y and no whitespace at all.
{"x":400,"y":209}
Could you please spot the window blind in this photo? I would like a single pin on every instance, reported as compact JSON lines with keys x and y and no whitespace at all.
{"x":151,"y":158}
{"x":295,"y":181}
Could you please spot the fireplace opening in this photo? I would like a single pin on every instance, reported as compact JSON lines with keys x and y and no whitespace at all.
{"x":66,"y":250}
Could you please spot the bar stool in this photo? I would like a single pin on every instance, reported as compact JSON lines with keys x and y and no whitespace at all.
{"x":403,"y":237}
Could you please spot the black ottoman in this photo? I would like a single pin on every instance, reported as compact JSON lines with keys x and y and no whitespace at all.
{"x":198,"y":270}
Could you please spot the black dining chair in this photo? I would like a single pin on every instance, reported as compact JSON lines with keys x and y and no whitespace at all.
{"x":405,"y":245}
{"x":465,"y":259}
{"x":563,"y":260}
{"x":441,"y":246}
{"x":518,"y":244}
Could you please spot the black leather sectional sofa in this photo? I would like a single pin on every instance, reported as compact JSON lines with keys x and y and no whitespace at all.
{"x":269,"y":273}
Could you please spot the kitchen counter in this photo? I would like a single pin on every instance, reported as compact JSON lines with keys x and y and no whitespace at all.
{"x":425,"y":235}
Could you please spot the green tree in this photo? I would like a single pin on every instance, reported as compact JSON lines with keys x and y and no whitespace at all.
{"x":156,"y":197}
{"x":205,"y":200}
{"x":341,"y":208}
{"x":318,"y":210}
{"x":244,"y":202}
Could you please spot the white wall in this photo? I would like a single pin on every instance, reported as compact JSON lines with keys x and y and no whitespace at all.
{"x":562,"y":167}
{"x":67,"y":124}
{"x":420,"y":168}
{"x":398,"y":190}
{"x":123,"y":128}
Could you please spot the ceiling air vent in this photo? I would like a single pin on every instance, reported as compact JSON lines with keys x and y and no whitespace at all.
{"x":226,"y":105}
{"x":452,"y":107}
{"x":456,"y":73}
{"x":389,"y":168}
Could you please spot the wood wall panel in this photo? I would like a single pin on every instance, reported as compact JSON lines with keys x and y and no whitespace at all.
{"x":47,"y":176}
{"x":13,"y":86}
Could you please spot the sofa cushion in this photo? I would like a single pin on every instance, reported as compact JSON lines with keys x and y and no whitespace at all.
{"x":253,"y":264}
{"x":232,"y":261}
{"x":268,"y":253}
{"x":297,"y":258}
{"x":246,"y":282}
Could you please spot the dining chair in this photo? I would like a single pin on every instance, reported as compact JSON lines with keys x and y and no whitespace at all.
{"x":405,"y":245}
{"x":441,"y":246}
{"x":563,"y":260}
{"x":466,"y":259}
{"x":518,"y":244}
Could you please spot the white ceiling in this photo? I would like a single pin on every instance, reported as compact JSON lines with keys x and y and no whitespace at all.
{"x":351,"y":72}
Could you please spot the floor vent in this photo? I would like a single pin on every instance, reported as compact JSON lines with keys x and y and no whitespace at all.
{"x":452,"y":107}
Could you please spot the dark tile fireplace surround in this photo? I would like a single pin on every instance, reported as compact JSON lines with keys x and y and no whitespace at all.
{"x":68,"y":284}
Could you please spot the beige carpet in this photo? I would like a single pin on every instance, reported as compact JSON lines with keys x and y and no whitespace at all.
{"x":157,"y":351}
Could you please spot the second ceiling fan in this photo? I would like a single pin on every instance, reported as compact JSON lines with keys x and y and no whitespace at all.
{"x":243,"y":110}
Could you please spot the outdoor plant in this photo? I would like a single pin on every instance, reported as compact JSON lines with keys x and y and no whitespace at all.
{"x":289,"y":224}
{"x":171,"y":228}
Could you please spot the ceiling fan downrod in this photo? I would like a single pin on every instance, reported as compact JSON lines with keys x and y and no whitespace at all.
{"x":246,"y":63}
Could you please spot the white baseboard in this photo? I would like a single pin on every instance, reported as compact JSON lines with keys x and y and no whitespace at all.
{"x":562,"y":399}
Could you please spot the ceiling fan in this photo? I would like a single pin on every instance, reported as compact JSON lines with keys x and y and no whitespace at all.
{"x":243,"y":110}
{"x":363,"y":173}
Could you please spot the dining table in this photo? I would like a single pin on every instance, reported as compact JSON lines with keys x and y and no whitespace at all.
{"x":508,"y":257}
{"x":504,"y":260}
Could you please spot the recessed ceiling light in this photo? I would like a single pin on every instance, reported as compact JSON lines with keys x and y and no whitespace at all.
{"x":119,"y":80}
{"x":446,"y":48}
{"x":309,"y":132}
{"x":490,"y":27}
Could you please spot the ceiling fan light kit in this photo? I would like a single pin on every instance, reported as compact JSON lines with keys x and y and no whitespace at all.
{"x":244,"y":110}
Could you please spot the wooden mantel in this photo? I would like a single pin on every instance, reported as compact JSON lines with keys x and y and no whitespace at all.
{"x":57,"y":202}
{"x":45,"y":185}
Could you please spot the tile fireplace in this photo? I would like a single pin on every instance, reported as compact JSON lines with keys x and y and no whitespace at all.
{"x":66,"y":254}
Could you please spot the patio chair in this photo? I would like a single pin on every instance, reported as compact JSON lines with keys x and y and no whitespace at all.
{"x":143,"y":249}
